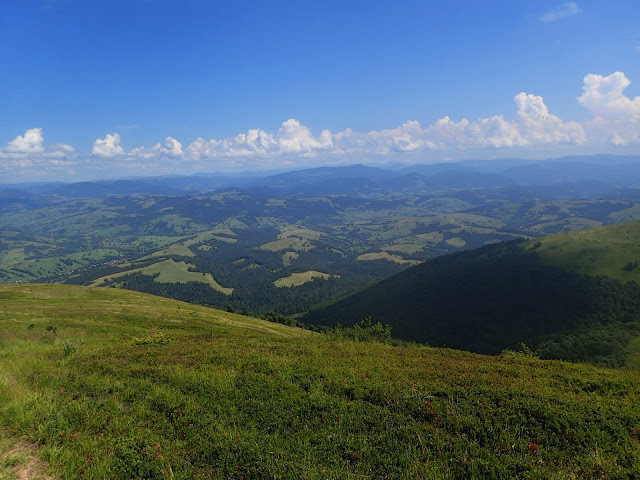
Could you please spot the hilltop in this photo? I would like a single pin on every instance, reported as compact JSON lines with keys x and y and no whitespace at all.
{"x":108,"y":383}
{"x":572,"y":296}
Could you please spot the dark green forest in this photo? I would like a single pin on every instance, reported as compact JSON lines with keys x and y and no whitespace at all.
{"x":496,"y":298}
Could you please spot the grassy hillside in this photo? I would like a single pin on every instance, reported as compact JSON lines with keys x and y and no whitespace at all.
{"x":500,"y":295}
{"x":168,"y":271}
{"x":106,"y":383}
{"x":612,"y":251}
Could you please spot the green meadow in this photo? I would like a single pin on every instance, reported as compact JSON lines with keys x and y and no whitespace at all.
{"x":300,"y":278}
{"x":612,"y":251}
{"x":106,"y":383}
{"x":169,"y":271}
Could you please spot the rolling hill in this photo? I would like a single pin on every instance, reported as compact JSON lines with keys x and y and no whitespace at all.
{"x":106,"y":383}
{"x":568,"y":296}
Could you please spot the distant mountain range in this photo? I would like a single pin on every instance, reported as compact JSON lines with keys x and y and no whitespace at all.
{"x":610,"y":171}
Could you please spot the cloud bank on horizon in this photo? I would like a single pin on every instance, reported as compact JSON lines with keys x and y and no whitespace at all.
{"x":614,"y":123}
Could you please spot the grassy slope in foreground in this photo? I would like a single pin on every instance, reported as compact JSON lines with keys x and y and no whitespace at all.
{"x":117,"y":384}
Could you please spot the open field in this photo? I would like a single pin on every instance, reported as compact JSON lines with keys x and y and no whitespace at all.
{"x":169,"y":272}
{"x":105,"y":383}
{"x":386,"y":256}
{"x":288,"y":243}
{"x":297,"y":279}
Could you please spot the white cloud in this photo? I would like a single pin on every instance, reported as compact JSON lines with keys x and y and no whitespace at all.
{"x":31,"y":145}
{"x":559,"y":12}
{"x":604,"y":96}
{"x":531,"y":128}
{"x":291,"y":138}
{"x":615,"y":116}
{"x":537,"y":126}
{"x":109,"y":147}
{"x":171,"y":147}
{"x":27,"y":153}
{"x":31,"y":142}
{"x":534,"y":126}
{"x":294,"y":137}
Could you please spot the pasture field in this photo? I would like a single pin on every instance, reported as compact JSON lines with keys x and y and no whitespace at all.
{"x":386,"y":256}
{"x":297,"y":279}
{"x":288,"y":243}
{"x":105,"y":383}
{"x":169,"y":271}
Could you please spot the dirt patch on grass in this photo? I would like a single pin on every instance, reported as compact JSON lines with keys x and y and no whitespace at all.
{"x":19,"y":460}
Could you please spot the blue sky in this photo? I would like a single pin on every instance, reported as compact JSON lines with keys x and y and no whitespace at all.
{"x":104,"y":88}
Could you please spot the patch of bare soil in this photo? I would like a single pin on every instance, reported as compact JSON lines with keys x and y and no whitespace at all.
{"x":21,"y":462}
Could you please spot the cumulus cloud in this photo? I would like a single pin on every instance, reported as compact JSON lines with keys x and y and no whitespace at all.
{"x":28,"y":153}
{"x":615,"y":116}
{"x":30,"y":148}
{"x":537,"y":126}
{"x":30,"y":142}
{"x":294,"y":137}
{"x":614,"y":122}
{"x":291,"y":138}
{"x":559,"y":12}
{"x":171,"y":147}
{"x":108,"y":147}
{"x":533,"y":126}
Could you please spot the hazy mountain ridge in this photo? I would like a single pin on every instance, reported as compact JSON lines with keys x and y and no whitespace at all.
{"x":613,"y":171}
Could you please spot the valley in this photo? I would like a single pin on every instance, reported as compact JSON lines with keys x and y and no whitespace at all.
{"x":237,"y":245}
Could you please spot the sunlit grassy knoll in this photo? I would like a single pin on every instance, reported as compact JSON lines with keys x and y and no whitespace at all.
{"x":432,"y":238}
{"x":563,"y":225}
{"x":297,"y":231}
{"x":169,"y":272}
{"x":116,"y":384}
{"x":456,"y":242}
{"x":599,"y":251}
{"x":297,"y":279}
{"x":181,"y":245}
{"x":288,"y":243}
{"x":386,"y":256}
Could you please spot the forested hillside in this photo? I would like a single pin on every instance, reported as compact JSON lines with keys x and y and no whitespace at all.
{"x":501,"y":295}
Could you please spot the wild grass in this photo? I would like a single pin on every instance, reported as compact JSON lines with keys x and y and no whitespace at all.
{"x":209,"y":394}
{"x":599,"y":251}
